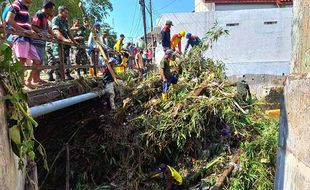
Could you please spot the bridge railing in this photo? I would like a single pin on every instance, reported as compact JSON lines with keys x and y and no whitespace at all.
{"x":61,"y":66}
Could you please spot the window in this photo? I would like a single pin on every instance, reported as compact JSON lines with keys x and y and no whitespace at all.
{"x":270,"y":22}
{"x":232,"y":24}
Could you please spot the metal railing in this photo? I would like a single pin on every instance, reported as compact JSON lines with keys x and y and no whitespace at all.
{"x":61,"y":66}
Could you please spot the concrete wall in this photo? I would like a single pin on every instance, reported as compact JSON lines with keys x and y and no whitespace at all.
{"x":252,"y":47}
{"x":10,"y":177}
{"x":293,"y":168}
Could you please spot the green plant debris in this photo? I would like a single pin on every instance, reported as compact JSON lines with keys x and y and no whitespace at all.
{"x":21,"y":124}
{"x":198,"y":130}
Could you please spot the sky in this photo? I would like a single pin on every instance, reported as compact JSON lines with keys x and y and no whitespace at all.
{"x":126,"y":17}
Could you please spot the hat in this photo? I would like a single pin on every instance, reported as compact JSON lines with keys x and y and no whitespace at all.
{"x":188,"y":35}
{"x":169,"y":22}
{"x":97,"y":25}
{"x":122,"y":35}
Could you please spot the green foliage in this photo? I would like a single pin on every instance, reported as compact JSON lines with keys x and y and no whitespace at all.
{"x":99,"y":8}
{"x":191,"y":122}
{"x":258,"y":159}
{"x":21,"y":124}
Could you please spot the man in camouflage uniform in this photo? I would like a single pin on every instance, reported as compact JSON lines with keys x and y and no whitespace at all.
{"x":79,"y":55}
{"x":61,"y":29}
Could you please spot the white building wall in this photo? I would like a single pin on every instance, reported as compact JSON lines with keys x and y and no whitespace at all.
{"x":252,"y":47}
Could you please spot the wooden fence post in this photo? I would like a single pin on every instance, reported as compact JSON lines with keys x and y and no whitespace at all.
{"x":61,"y":61}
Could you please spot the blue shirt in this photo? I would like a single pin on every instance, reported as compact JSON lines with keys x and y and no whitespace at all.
{"x":193,"y":42}
{"x":4,"y":15}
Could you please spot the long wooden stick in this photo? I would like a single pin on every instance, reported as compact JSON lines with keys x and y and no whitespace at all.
{"x":99,"y":45}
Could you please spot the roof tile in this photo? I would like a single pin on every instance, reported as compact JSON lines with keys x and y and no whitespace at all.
{"x":249,"y":1}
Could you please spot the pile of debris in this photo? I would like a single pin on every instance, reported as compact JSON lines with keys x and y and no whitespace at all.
{"x":206,"y":130}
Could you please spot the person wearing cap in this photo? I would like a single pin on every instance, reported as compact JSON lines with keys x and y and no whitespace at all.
{"x":176,"y":40}
{"x":166,"y":74}
{"x":108,"y":81}
{"x":119,"y":43}
{"x":192,"y":41}
{"x":41,"y":26}
{"x":165,"y":35}
{"x":91,"y":42}
{"x":60,"y":26}
{"x":174,"y":178}
{"x":93,"y":48}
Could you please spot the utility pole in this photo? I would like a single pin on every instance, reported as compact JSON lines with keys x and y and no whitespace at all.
{"x":151,"y":18}
{"x":151,"y":14}
{"x":142,"y":3}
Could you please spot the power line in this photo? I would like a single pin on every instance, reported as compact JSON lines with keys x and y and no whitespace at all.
{"x":134,"y":17}
{"x":164,"y":7}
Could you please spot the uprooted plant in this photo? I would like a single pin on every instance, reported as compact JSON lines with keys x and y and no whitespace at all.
{"x":198,"y":130}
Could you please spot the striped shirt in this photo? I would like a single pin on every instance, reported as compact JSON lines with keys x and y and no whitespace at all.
{"x":21,"y":18}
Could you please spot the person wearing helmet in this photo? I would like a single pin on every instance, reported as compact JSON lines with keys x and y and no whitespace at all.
{"x":166,"y":74}
{"x":108,"y":82}
{"x":174,"y":178}
{"x":192,"y":40}
{"x":176,"y":40}
{"x":165,"y":35}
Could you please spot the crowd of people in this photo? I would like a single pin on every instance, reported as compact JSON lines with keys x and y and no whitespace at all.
{"x":82,"y":51}
{"x":172,"y":47}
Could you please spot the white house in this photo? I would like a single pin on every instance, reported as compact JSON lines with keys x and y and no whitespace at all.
{"x":259,"y":40}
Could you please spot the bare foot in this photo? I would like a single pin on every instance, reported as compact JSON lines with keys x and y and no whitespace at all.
{"x":30,"y":86}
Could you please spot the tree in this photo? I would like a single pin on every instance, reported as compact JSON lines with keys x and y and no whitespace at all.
{"x":98,"y":9}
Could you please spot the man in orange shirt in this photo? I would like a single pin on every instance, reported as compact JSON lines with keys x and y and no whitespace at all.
{"x":177,"y":40}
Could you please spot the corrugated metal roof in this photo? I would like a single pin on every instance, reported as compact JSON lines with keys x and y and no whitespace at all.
{"x":249,"y":1}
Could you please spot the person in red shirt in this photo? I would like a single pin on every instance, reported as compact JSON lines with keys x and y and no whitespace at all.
{"x":165,"y":36}
{"x":176,"y":41}
{"x":40,"y":25}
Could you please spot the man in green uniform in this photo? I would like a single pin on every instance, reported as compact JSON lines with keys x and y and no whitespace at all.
{"x":61,"y":29}
{"x":79,"y":54}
